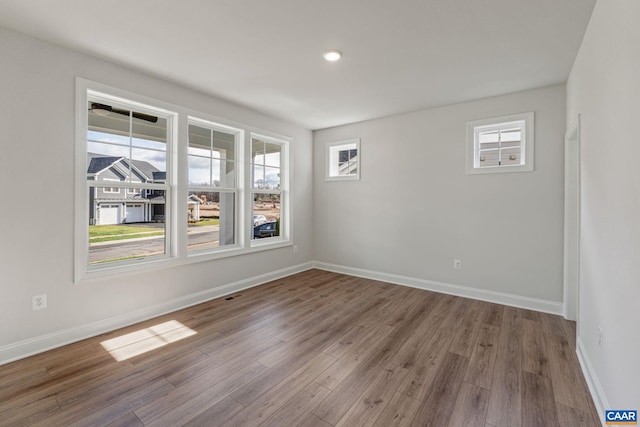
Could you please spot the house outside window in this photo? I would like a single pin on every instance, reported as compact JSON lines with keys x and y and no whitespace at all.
{"x":502,"y":144}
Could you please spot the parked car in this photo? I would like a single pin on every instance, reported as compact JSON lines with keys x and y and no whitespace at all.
{"x":268,"y":229}
{"x":259,"y":219}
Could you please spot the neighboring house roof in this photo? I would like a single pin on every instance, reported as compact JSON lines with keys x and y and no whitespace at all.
{"x":99,"y":162}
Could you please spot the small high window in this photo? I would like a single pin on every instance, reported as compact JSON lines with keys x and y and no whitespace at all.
{"x":343,"y":160}
{"x":502,"y":144}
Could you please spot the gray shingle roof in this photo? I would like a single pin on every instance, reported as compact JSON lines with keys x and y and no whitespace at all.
{"x":99,"y":162}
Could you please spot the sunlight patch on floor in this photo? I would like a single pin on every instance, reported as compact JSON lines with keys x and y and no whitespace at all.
{"x":139,"y":342}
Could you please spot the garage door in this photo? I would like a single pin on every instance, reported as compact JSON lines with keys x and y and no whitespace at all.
{"x":135,"y":213}
{"x":109,"y":214}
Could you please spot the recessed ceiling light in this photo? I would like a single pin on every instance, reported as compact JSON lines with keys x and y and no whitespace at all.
{"x":332,"y":55}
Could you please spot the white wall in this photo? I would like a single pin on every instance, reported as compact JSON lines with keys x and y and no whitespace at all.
{"x":37,"y":83}
{"x":604,"y":88}
{"x":415,"y":209}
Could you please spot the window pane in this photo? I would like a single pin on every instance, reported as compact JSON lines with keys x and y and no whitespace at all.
{"x":343,"y":160}
{"x":223,"y":145}
{"x":122,"y":227}
{"x":211,"y":155}
{"x":211,"y":220}
{"x":272,"y":154}
{"x":257,"y":152}
{"x":489,"y":158}
{"x":486,"y":137}
{"x":97,"y":136}
{"x":266,"y":215}
{"x":272,"y":178}
{"x":149,"y":166}
{"x":259,"y":180}
{"x":510,"y":156}
{"x":199,"y":171}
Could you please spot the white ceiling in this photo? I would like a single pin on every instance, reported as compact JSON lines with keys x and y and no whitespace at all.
{"x":399,"y":56}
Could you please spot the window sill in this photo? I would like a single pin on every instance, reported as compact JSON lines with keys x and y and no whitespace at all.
{"x":164,"y":262}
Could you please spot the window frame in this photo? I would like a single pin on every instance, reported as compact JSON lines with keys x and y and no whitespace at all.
{"x":329,"y":160}
{"x":238,"y":141}
{"x":176,"y":252}
{"x":475,"y":127}
{"x":284,"y":233}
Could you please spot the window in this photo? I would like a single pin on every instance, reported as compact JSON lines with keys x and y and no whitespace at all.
{"x":268,"y":183}
{"x":111,"y":190}
{"x":212,"y":185}
{"x":126,"y":152}
{"x":159,"y":183}
{"x":502,"y":144}
{"x":343,"y":160}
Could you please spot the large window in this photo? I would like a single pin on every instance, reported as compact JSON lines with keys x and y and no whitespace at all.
{"x":150,"y":190}
{"x":502,"y":144}
{"x":212,"y":185}
{"x":126,"y":179}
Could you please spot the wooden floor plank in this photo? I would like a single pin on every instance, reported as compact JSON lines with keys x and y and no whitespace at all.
{"x":437,"y":408}
{"x":216,"y":414}
{"x":316,"y":349}
{"x":534,"y":349}
{"x":471,"y":407}
{"x":267,"y":404}
{"x":400,"y":412}
{"x":465,"y":338}
{"x":312,"y":420}
{"x":297,"y":408}
{"x":374,"y":399}
{"x":483,"y":359}
{"x":505,"y":401}
{"x":538,"y":406}
{"x":571,"y":417}
{"x":568,"y":383}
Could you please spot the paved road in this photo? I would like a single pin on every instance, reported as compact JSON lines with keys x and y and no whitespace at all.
{"x":198,"y":238}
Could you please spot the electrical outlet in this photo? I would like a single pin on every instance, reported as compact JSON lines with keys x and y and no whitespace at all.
{"x":457,"y":264}
{"x":600,"y":336}
{"x":38,"y":302}
{"x":295,"y":249}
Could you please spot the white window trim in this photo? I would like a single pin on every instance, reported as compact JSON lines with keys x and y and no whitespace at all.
{"x":329,"y":159}
{"x":473,"y":127}
{"x":177,"y":155}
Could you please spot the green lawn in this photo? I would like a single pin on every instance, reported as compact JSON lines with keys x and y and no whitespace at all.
{"x":114,"y":230}
{"x":107,"y":233}
{"x":208,"y":221}
{"x":124,"y":237}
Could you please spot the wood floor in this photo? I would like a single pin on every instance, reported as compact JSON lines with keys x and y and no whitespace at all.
{"x":314,"y":349}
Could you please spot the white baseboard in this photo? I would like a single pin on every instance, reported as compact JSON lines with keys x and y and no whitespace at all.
{"x":36,"y":345}
{"x":447,"y":288}
{"x":597,"y":393}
